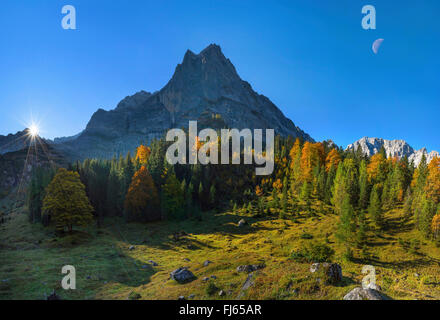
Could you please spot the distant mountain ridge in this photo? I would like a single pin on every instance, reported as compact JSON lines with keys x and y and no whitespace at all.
{"x":15,"y":142}
{"x":205,"y":87}
{"x":393,"y":148}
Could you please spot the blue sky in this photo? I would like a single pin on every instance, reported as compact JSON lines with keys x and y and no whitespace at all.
{"x":311,"y":58}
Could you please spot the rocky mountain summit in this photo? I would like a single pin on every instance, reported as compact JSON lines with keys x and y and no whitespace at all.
{"x":393,"y":148}
{"x":205,"y":87}
{"x":14,"y":142}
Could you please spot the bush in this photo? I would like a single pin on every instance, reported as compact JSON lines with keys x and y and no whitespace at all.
{"x":134,"y":296}
{"x":315,"y":252}
{"x":211,"y":288}
{"x":306,"y":236}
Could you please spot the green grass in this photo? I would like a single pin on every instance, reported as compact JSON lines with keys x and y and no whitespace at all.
{"x":32,"y":256}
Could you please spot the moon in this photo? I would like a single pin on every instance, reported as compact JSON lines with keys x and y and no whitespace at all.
{"x":376,"y":45}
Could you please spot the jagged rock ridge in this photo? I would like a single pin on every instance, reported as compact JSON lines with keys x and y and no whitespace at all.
{"x":14,"y":142}
{"x":205,"y":87}
{"x":393,"y":148}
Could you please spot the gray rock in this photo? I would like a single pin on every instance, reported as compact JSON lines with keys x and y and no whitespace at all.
{"x":246,"y":285}
{"x":222,"y":293}
{"x":154,"y":264}
{"x":203,"y":85}
{"x":182,"y":275}
{"x":191,"y":296}
{"x":332,"y":270}
{"x":250,"y":267}
{"x":364,"y":294}
{"x":205,"y":279}
{"x":181,"y":298}
{"x":213,"y":277}
{"x":207,"y":263}
{"x":393,"y":148}
{"x":373,"y":286}
{"x":131,"y":248}
{"x":186,"y":259}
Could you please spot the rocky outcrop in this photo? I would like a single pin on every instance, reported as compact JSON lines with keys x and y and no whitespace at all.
{"x":332,"y":271}
{"x":364,"y":294}
{"x":250,"y":267}
{"x":15,"y":142}
{"x":393,"y":148}
{"x":205,"y":87}
{"x":182,"y":275}
{"x":16,"y":167}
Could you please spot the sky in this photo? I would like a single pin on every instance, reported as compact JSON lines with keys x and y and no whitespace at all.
{"x":313,"y":59}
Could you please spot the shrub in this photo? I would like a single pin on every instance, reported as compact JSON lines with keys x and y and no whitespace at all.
{"x":211,"y":288}
{"x":315,"y":252}
{"x":306,"y":236}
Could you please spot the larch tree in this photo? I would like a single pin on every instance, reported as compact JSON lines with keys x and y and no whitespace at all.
{"x":143,"y":154}
{"x":432,"y":187}
{"x":435,"y":225}
{"x":142,"y":200}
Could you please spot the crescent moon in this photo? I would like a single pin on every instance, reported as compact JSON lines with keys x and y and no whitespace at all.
{"x":376,"y":45}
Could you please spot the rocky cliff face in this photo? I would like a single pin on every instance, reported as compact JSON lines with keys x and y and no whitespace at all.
{"x":14,"y":142}
{"x":16,"y":167}
{"x":393,"y":148}
{"x":205,"y":87}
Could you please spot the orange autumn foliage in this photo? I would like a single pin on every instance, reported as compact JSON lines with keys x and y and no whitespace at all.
{"x":296,"y":149}
{"x":376,"y":167}
{"x":435,"y":226}
{"x":332,"y":160}
{"x":312,"y":156}
{"x":277,"y":184}
{"x":143,"y":154}
{"x":142,"y":200}
{"x":432,"y":187}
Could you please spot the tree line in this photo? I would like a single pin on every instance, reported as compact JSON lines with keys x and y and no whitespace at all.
{"x":308,"y":177}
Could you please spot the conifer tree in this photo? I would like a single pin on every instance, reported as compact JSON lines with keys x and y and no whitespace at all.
{"x":173,"y":197}
{"x":375,"y":208}
{"x":363,"y":185}
{"x":347,"y":227}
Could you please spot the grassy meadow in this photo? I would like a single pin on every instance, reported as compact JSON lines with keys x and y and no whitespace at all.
{"x":31,"y":258}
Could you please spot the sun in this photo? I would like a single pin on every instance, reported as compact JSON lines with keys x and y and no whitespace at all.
{"x":33,"y":131}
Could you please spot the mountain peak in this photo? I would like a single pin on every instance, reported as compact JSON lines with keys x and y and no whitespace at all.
{"x":205,"y":87}
{"x":393,"y":148}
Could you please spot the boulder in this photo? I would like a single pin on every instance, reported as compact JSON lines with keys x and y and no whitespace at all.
{"x":373,"y":286}
{"x":221,"y":293}
{"x":333,"y":271}
{"x":246,"y":285}
{"x":206,"y":263}
{"x":154,"y":264}
{"x":364,"y":294}
{"x":131,"y":248}
{"x":250,"y":267}
{"x":182,"y":275}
